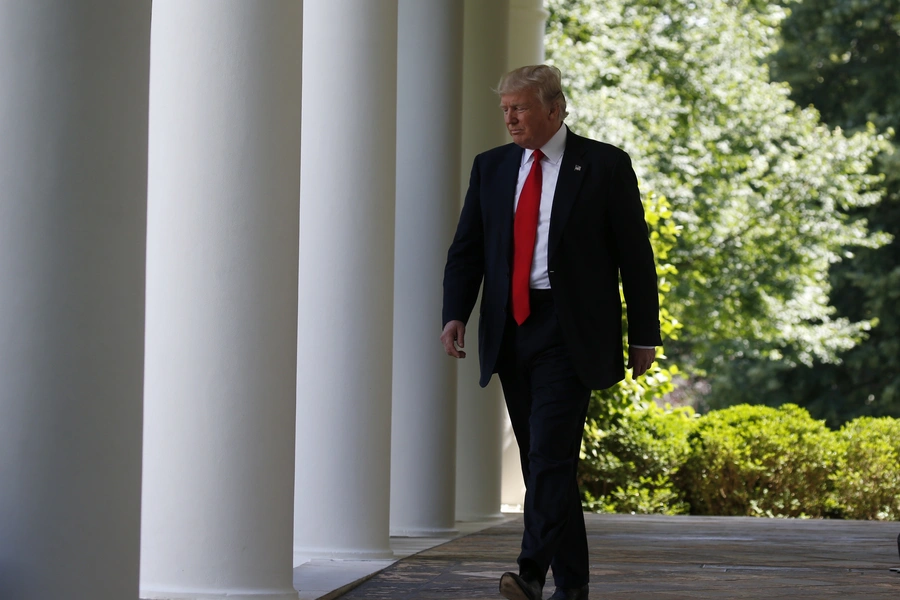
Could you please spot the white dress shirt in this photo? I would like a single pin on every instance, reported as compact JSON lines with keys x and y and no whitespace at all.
{"x":553,"y":153}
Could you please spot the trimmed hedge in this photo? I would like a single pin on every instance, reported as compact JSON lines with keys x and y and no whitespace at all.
{"x":743,"y":460}
{"x":758,"y":460}
{"x":867,"y":481}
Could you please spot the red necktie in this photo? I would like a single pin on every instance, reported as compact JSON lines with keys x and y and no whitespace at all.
{"x":524,"y":232}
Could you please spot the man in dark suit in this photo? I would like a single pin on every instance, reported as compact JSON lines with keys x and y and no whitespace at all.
{"x":550,"y":223}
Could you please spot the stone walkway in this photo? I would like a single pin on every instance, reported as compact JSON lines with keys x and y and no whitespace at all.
{"x":638,"y":557}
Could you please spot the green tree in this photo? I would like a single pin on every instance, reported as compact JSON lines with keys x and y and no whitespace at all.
{"x":840,"y":56}
{"x":759,"y":186}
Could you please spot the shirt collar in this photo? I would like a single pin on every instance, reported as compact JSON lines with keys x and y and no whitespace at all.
{"x":553,"y":149}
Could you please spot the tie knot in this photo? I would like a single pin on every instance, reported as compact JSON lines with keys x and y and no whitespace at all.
{"x":538,"y":155}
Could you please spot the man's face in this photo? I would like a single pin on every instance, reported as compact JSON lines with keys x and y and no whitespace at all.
{"x":529,"y":122}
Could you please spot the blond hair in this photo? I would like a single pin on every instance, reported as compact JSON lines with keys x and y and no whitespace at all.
{"x":545,"y":80}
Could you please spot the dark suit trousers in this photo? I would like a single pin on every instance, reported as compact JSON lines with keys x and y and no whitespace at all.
{"x":547,"y":405}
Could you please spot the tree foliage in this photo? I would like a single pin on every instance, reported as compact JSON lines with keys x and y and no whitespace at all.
{"x":760,"y":188}
{"x":840,"y":56}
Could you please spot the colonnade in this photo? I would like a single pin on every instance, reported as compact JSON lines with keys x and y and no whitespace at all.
{"x":164,"y":294}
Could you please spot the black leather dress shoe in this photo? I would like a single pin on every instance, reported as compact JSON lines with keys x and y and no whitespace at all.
{"x":570,"y":593}
{"x":514,"y":587}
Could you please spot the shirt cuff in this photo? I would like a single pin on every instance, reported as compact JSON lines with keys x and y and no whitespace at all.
{"x":644,"y":347}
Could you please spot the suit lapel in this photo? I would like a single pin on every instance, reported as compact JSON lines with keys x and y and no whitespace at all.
{"x":572,"y":172}
{"x":504,"y":190}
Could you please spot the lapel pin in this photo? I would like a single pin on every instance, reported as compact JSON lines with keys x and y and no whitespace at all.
{"x":577,"y":167}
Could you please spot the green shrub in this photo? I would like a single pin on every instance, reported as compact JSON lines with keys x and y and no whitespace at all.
{"x":629,"y":456}
{"x":757,"y":460}
{"x":867,"y":480}
{"x":743,"y":460}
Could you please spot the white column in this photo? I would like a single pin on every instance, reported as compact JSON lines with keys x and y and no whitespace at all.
{"x":479,"y":411}
{"x":423,"y":432}
{"x":222,"y":249}
{"x":527,"y":25}
{"x":347,"y":274}
{"x":73,"y":181}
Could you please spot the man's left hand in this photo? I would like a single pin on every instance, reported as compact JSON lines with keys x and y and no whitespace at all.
{"x":640,"y":359}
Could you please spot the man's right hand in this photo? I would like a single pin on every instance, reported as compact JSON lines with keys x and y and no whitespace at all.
{"x":454,"y":338}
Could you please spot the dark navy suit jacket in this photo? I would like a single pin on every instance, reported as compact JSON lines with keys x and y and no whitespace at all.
{"x":597,"y":232}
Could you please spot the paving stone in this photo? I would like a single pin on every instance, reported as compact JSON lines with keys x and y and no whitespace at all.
{"x":648,"y":556}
